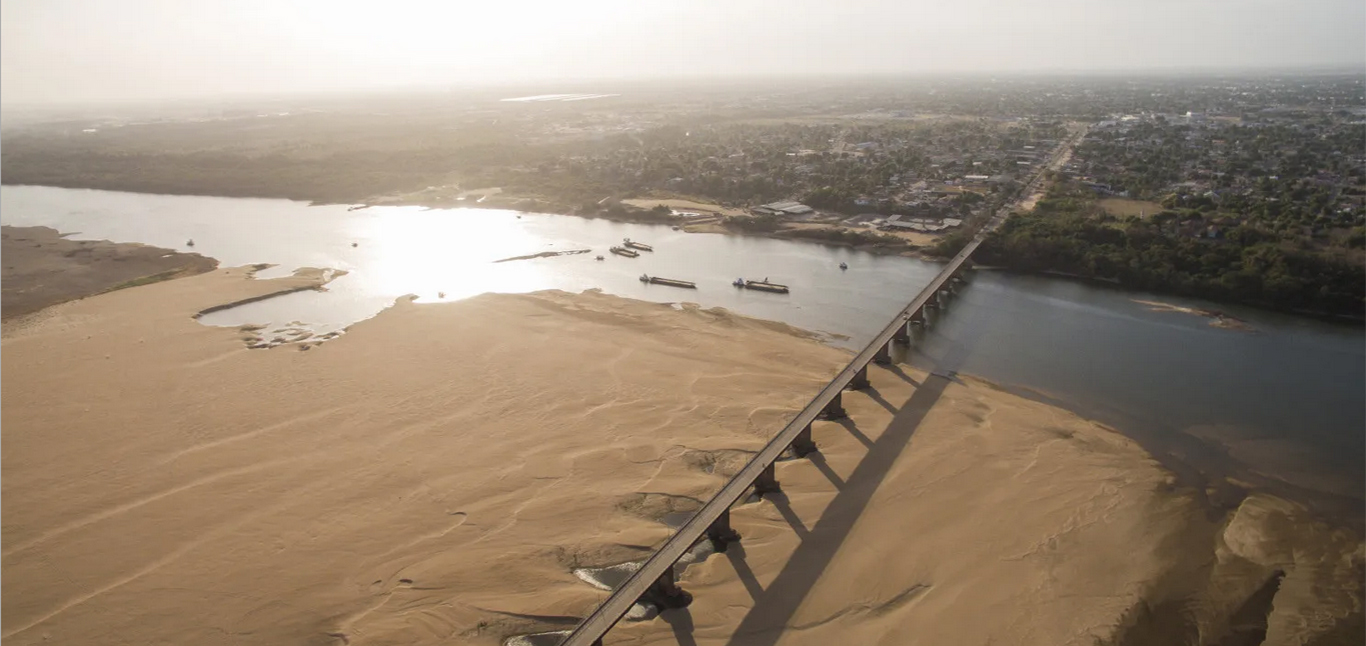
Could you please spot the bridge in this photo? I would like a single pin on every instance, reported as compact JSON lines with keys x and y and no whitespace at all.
{"x":655,"y":580}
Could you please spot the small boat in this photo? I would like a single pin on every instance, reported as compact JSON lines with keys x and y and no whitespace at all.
{"x":623,"y":251}
{"x":739,"y":282}
{"x":358,"y":207}
{"x":441,"y":294}
{"x":637,"y":245}
{"x":656,"y":280}
{"x":599,"y":257}
{"x":675,"y":227}
{"x":763,"y":286}
{"x":844,"y":265}
{"x":190,"y":242}
{"x":355,"y":244}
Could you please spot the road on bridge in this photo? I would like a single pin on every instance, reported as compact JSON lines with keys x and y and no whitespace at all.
{"x":657,"y":572}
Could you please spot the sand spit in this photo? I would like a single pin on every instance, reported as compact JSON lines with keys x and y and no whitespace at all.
{"x":546,"y":254}
{"x":314,"y":279}
{"x":437,"y":474}
{"x":1217,"y":319}
{"x":296,"y":333}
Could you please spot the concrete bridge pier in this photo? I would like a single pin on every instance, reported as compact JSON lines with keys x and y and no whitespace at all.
{"x":767,"y":482}
{"x":884,"y":355}
{"x":903,"y":333}
{"x":860,"y":380}
{"x":942,"y":297}
{"x":835,"y":409}
{"x":665,"y":592}
{"x":802,"y":445}
{"x":720,"y":532}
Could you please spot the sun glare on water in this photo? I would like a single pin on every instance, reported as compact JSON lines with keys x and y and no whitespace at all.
{"x":430,"y":253}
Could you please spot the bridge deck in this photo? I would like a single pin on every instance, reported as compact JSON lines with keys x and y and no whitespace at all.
{"x":609,"y":612}
{"x":624,"y":596}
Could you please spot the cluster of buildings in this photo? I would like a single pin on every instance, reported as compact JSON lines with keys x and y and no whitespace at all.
{"x":921,"y":225}
{"x":783,"y":208}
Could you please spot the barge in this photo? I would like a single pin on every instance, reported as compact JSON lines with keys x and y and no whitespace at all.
{"x":637,"y":245}
{"x":761,"y":285}
{"x":623,"y":251}
{"x":656,"y":280}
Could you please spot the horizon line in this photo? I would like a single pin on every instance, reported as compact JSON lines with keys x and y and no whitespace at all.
{"x":1146,"y":73}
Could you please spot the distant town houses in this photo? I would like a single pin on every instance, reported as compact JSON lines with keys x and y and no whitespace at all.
{"x":922,"y":225}
{"x":783,"y":208}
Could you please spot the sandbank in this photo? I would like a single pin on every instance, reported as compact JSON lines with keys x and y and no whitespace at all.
{"x":434,"y":475}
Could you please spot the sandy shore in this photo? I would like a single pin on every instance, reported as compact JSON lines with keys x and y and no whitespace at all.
{"x":433,"y":476}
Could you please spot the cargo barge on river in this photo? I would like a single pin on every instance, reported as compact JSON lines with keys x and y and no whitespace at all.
{"x":656,"y":280}
{"x":761,"y":285}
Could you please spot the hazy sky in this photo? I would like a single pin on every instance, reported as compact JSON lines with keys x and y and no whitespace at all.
{"x":93,"y":50}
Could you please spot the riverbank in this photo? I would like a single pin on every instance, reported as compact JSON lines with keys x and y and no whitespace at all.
{"x":710,"y":218}
{"x":399,"y":485}
{"x":1232,"y":262}
{"x":43,"y":268}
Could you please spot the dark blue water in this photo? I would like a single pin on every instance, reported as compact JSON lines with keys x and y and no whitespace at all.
{"x":1284,"y":403}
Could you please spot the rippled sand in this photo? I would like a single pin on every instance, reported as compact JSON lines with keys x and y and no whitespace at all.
{"x":435,"y":475}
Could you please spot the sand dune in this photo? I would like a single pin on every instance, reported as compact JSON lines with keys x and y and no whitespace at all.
{"x":434,"y":476}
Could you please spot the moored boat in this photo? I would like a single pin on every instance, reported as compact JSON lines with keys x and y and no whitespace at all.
{"x":637,"y":245}
{"x":761,"y":285}
{"x":656,"y":280}
{"x":844,"y":265}
{"x":623,"y":251}
{"x":765,"y":286}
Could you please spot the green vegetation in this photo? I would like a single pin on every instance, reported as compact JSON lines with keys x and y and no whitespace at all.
{"x":754,"y":223}
{"x":843,"y":236}
{"x":772,"y":224}
{"x":1185,"y":251}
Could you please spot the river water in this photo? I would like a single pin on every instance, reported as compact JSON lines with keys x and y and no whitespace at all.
{"x":1284,"y":406}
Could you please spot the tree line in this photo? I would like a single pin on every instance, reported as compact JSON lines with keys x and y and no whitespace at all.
{"x":1069,"y":234}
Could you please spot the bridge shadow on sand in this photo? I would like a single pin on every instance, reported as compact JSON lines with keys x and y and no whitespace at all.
{"x":775,"y":606}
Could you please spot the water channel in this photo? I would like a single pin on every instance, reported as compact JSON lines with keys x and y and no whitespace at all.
{"x":1284,"y":404}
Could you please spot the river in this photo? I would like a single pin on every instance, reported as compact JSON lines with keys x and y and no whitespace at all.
{"x":1281,"y":407}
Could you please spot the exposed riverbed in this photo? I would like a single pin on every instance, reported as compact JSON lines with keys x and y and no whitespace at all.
{"x":1279,"y":404}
